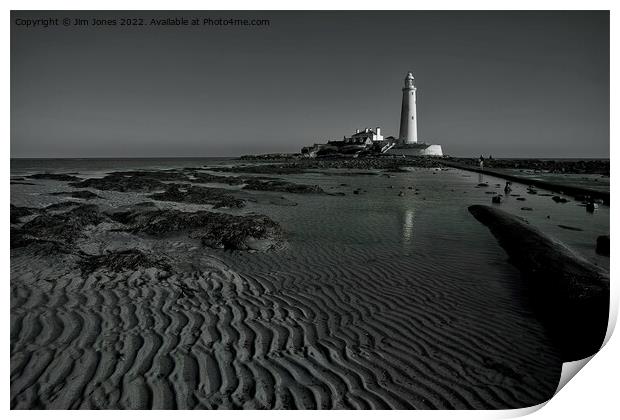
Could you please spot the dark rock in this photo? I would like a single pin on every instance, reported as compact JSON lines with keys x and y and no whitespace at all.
{"x":496,"y":199}
{"x":122,"y":183}
{"x":281,"y":186}
{"x":520,"y":198}
{"x":186,"y":193}
{"x":559,"y":199}
{"x":18,"y":212}
{"x":216,"y":230}
{"x":527,"y":208}
{"x":570,"y":294}
{"x":602,"y":245}
{"x":482,"y":184}
{"x":570,"y":228}
{"x":84,"y":194}
{"x":54,"y":177}
{"x":118,"y":261}
{"x":63,"y":227}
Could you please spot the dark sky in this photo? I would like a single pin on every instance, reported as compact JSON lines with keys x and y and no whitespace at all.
{"x":512,"y":84}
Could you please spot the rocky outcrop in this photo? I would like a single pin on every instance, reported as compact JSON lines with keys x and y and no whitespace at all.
{"x":570,"y":293}
{"x":18,"y":212}
{"x":118,"y":261}
{"x":63,"y":227}
{"x":55,"y":177}
{"x":83,"y":194}
{"x":185,"y":193}
{"x":215,"y":230}
{"x":281,"y":186}
{"x":121,"y":182}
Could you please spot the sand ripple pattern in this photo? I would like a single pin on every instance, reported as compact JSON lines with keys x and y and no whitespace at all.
{"x":274,"y":335}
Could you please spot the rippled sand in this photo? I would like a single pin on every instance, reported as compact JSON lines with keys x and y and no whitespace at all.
{"x":376,"y":301}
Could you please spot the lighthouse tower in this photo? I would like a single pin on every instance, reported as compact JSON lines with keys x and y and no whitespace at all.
{"x":408,"y":117}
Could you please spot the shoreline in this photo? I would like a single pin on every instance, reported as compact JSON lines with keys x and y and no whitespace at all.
{"x":571,"y":190}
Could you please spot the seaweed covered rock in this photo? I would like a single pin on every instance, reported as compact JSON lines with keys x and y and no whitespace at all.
{"x":118,"y":261}
{"x":83,"y":194}
{"x":64,"y":226}
{"x":18,"y":212}
{"x":55,"y":177}
{"x":281,"y":186}
{"x":185,"y":193}
{"x":215,"y":230}
{"x":121,"y":182}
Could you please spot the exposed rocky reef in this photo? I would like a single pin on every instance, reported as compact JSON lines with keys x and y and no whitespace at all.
{"x":185,"y":193}
{"x":64,"y":226}
{"x":18,"y":212}
{"x":83,"y":194}
{"x":570,"y":293}
{"x":389,"y":163}
{"x":281,"y":186}
{"x":54,"y":177}
{"x":121,"y":182}
{"x":118,"y":261}
{"x":546,"y":165}
{"x":215,"y":230}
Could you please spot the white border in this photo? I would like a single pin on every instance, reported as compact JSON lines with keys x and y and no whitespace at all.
{"x":592,"y":394}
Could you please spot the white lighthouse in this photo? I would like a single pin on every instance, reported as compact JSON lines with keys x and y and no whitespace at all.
{"x":408,"y":116}
{"x":407,"y":143}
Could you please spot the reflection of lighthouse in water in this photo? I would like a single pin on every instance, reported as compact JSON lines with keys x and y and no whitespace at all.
{"x":408,"y":227}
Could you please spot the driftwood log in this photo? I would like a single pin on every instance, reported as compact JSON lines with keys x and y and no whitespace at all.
{"x":570,"y":294}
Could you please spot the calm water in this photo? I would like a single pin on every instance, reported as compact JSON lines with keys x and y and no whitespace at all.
{"x":413,"y":222}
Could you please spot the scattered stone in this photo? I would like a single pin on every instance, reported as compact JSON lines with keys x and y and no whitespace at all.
{"x":527,"y":208}
{"x":520,"y":198}
{"x":482,"y":184}
{"x":496,"y":199}
{"x":400,"y":194}
{"x":559,"y":199}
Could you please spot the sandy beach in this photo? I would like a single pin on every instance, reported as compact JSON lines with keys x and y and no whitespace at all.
{"x":303,"y":294}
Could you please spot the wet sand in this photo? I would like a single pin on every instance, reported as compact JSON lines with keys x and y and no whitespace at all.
{"x":369,"y":300}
